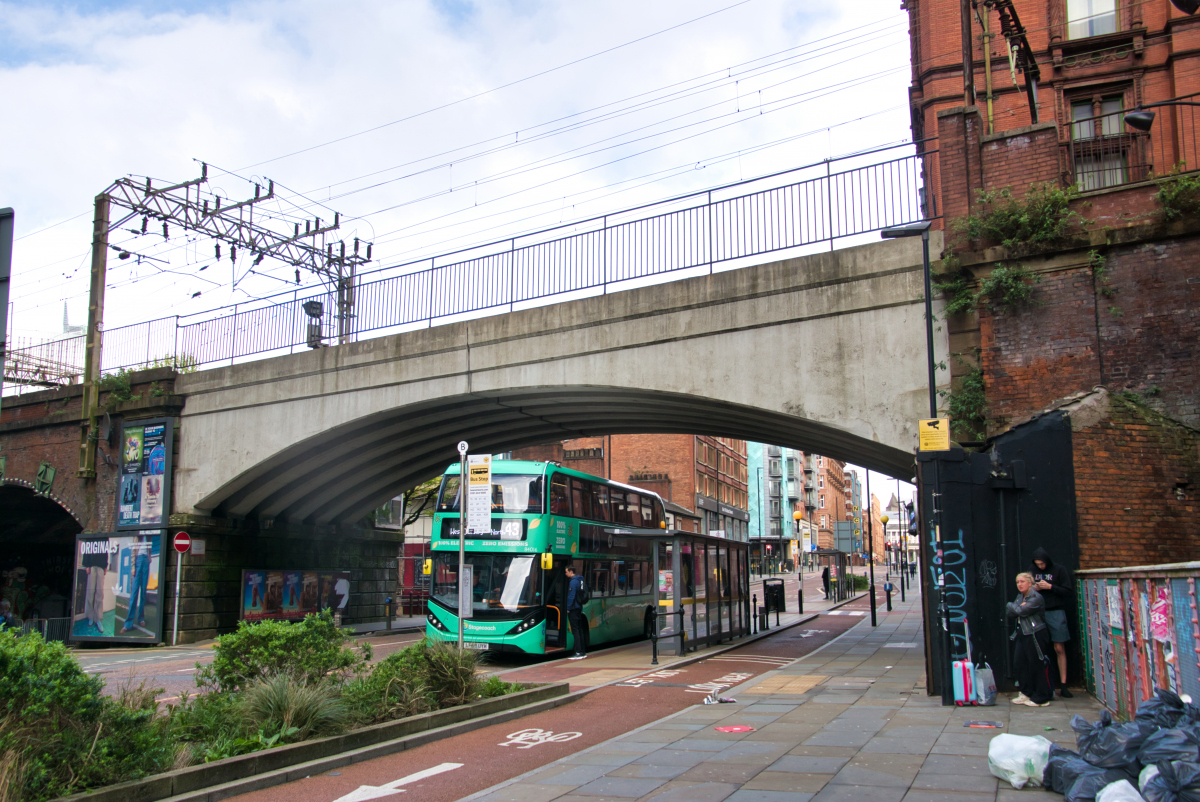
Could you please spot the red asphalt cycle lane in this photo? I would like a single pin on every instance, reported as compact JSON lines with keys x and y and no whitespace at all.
{"x":491,"y":754}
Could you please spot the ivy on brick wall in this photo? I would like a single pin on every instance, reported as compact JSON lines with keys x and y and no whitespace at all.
{"x":967,"y":406}
{"x":1179,"y":196}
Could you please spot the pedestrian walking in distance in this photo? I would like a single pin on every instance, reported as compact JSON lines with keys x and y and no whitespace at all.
{"x":825,"y":580}
{"x":1033,"y":643}
{"x":1055,"y":584}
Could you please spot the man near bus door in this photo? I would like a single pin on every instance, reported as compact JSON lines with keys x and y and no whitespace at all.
{"x":575,"y":613}
{"x":1054,"y":582}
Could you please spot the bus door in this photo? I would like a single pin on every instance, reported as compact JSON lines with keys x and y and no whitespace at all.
{"x":555,"y":593}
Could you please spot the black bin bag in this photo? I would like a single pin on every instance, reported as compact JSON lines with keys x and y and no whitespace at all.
{"x":1076,"y":769}
{"x":1164,"y":709}
{"x":1179,"y":743}
{"x":1052,"y":775}
{"x":1110,"y":745}
{"x":1176,"y":781}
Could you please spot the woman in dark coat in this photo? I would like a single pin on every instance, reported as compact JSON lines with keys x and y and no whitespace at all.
{"x":1033,"y":644}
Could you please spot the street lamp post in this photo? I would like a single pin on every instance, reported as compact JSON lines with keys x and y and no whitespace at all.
{"x":797,"y":516}
{"x":922,"y":230}
{"x":871,"y":548}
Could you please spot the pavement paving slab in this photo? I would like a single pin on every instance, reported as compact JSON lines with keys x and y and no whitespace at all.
{"x":848,"y":722}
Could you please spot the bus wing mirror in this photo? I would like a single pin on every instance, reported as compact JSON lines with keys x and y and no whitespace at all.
{"x":547,"y":562}
{"x":427,"y":568}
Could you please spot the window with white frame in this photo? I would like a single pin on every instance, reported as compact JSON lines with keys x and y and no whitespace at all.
{"x":1091,"y":18}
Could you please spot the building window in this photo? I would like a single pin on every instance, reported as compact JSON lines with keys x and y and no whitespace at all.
{"x":773,"y":466}
{"x":1100,"y":149}
{"x":583,"y":453}
{"x":822,"y":521}
{"x":821,"y":499}
{"x":1091,"y":18}
{"x":774,"y":489}
{"x":775,"y":508}
{"x":821,"y":482}
{"x":773,"y":529}
{"x":791,"y":468}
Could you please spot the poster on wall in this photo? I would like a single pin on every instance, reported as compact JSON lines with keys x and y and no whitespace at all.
{"x":145,"y":474}
{"x":118,"y":587}
{"x":291,"y":595}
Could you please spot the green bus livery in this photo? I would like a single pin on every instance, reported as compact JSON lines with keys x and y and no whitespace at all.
{"x":545,"y":517}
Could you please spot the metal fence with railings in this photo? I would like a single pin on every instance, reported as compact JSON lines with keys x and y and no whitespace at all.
{"x":1103,"y":152}
{"x":1140,"y":632}
{"x":708,"y":230}
{"x":51,"y":629}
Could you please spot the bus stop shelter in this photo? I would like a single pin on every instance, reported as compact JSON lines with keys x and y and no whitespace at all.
{"x":702,"y":586}
{"x":841,"y":587}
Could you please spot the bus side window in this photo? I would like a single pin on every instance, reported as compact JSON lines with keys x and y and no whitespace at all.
{"x":648,"y":512}
{"x":579,"y":498}
{"x":560,"y":503}
{"x":599,"y":580}
{"x":623,"y":571}
{"x":600,"y":503}
{"x":620,"y":515}
{"x":633,"y":503}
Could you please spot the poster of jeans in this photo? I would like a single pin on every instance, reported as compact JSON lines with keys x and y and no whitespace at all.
{"x":146,"y":458}
{"x":118,"y":587}
{"x":291,"y":595}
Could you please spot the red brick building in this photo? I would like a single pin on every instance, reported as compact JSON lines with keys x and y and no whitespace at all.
{"x":1109,"y":339}
{"x":704,"y":479}
{"x":831,"y":500}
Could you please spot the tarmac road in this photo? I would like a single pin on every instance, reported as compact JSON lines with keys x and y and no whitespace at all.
{"x":496,"y":753}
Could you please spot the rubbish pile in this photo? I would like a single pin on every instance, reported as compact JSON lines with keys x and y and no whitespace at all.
{"x":1154,"y":758}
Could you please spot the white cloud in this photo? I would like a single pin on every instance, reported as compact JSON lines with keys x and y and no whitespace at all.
{"x":94,"y":95}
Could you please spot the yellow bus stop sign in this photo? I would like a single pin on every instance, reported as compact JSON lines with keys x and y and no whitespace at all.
{"x":934,"y":434}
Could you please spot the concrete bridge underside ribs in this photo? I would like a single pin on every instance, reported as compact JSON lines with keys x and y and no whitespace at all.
{"x":823,"y":352}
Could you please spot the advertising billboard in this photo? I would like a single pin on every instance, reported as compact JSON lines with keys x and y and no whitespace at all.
{"x":143,"y":498}
{"x":118,"y":587}
{"x":291,"y":595}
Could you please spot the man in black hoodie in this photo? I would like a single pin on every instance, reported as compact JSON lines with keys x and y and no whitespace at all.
{"x":1055,"y":584}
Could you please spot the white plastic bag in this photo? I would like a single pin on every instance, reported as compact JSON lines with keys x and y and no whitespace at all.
{"x":1147,"y":774}
{"x":985,"y":686}
{"x":1120,"y":791}
{"x":1018,"y":759}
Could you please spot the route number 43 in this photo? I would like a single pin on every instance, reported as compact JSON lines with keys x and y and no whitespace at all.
{"x":527,"y":739}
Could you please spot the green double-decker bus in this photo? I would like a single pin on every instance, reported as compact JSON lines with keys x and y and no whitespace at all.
{"x":545,"y":517}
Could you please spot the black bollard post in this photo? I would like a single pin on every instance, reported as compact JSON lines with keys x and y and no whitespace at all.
{"x":388,"y":603}
{"x":654,"y":641}
{"x":754,"y":607}
{"x":887,"y":589}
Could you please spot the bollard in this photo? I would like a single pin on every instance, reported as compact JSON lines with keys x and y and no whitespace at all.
{"x":754,"y":606}
{"x":654,"y":641}
{"x":800,"y":600}
{"x":388,"y":603}
{"x":887,"y":590}
{"x":764,"y":619}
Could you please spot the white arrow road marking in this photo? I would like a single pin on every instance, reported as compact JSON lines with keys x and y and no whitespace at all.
{"x":365,"y":792}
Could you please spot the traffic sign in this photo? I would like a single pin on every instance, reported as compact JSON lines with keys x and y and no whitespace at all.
{"x":183,"y":542}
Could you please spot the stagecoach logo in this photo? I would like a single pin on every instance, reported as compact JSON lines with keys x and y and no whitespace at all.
{"x":480,"y":628}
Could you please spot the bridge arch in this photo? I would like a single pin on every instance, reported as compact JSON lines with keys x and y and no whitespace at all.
{"x":823,"y":352}
{"x":341,"y":474}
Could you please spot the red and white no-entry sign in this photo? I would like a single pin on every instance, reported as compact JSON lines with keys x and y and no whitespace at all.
{"x":183,"y":542}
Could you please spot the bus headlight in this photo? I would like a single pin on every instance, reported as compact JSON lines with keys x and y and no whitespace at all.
{"x":528,"y":623}
{"x":436,"y":623}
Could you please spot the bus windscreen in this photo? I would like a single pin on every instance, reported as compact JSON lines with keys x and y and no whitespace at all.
{"x":511,"y":493}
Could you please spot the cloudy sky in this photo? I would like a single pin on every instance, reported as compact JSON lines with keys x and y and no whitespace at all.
{"x":429,"y":125}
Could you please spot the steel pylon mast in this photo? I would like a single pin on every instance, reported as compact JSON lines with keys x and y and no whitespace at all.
{"x":235,"y":223}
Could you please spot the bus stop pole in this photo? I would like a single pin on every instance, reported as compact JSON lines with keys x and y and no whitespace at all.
{"x":462,"y":532}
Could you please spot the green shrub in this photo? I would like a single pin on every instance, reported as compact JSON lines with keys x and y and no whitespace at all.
{"x":1007,"y":287}
{"x":59,"y":735}
{"x":494,"y":686}
{"x":311,"y":651}
{"x":396,"y":687}
{"x":450,"y":673}
{"x":1179,"y":196}
{"x":289,"y":709}
{"x":1038,"y":220}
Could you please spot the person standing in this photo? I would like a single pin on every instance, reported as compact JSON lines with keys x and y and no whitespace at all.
{"x":1055,"y":584}
{"x":1033,"y":643}
{"x":825,"y":581}
{"x":575,"y":612}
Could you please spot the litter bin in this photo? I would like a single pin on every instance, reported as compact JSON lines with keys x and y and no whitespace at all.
{"x":773,"y":595}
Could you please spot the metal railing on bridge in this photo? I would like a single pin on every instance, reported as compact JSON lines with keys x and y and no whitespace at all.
{"x":1139,"y":631}
{"x":708,"y":230}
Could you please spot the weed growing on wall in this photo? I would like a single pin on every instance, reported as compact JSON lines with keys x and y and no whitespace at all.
{"x":1022,"y":225}
{"x":1179,"y":196}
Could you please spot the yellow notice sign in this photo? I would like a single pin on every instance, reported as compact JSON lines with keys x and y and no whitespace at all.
{"x":934,"y":434}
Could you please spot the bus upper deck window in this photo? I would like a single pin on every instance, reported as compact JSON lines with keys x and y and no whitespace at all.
{"x":560,"y":500}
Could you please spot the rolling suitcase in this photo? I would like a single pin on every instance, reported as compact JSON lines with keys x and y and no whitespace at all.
{"x":963,"y":672}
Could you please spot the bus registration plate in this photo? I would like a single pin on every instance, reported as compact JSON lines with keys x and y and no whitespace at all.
{"x":477,"y":646}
